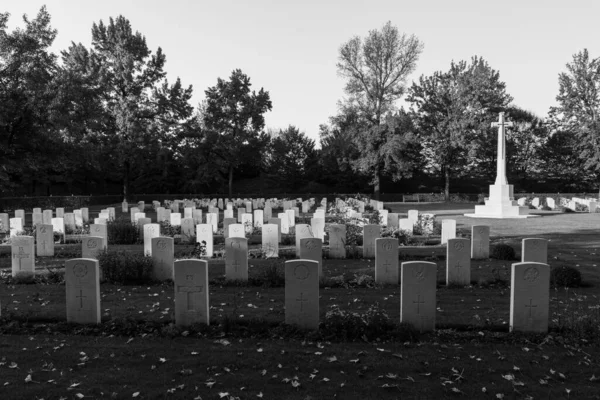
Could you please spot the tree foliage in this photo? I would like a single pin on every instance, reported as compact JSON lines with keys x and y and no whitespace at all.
{"x":578,"y":110}
{"x":453,"y":111}
{"x":234,"y":119}
{"x":376,"y":69}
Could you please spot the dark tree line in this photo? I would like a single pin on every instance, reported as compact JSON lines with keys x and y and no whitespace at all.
{"x":104,"y":118}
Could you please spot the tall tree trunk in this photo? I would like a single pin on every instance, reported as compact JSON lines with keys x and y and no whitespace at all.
{"x":126,"y":181}
{"x":446,"y":184}
{"x":231,"y":181}
{"x":377,"y":184}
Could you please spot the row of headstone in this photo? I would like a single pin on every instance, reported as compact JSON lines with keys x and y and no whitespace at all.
{"x":529,"y":304}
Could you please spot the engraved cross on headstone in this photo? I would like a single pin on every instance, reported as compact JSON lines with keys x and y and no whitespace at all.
{"x":418,"y":303}
{"x":236,"y":265}
{"x":20,"y":255}
{"x":530,"y":306}
{"x":81,"y":297}
{"x":387,"y":265}
{"x":302,"y":300}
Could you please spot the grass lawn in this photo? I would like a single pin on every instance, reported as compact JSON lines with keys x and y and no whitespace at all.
{"x":247,"y":354}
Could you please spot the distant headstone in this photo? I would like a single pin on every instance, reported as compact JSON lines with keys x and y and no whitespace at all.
{"x":23,"y":255}
{"x":383,"y":217}
{"x":337,"y":241}
{"x":150,"y":231}
{"x":85,"y":215}
{"x":212,"y":219}
{"x":302,"y":231}
{"x":448,"y":230}
{"x":312,"y":249}
{"x":277,"y":221}
{"x":37,"y":210}
{"x":529,"y":297}
{"x":188,"y":212}
{"x":70,"y":221}
{"x":204,"y":234}
{"x":187,"y":230}
{"x":175,"y":219}
{"x":44,"y":240}
{"x":228,"y":213}
{"x":191,"y":292}
{"x":291,"y":217}
{"x":480,"y":242}
{"x":240,"y":212}
{"x":386,"y":260}
{"x":393,"y":221}
{"x":285,"y":222}
{"x":268,"y":213}
{"x":100,"y":230}
{"x":534,"y":250}
{"x":47,"y":217}
{"x":112,"y":213}
{"x":302,"y":293}
{"x":236,"y":259}
{"x":535,"y":202}
{"x":270,"y":240}
{"x":132,"y":212}
{"x":406,"y":224}
{"x":91,"y":246}
{"x":160,"y":214}
{"x":522,"y":201}
{"x":82,"y":282}
{"x":258,"y":218}
{"x":197,"y":216}
{"x":124,"y":207}
{"x":417,"y":294}
{"x":37,"y":219}
{"x":318,"y":227}
{"x":162,"y":258}
{"x":370,"y":233}
{"x":458,"y":262}
{"x":58,"y":225}
{"x":247,"y":222}
{"x":413,"y":215}
{"x":60,"y":212}
{"x":20,"y":214}
{"x":16,"y":226}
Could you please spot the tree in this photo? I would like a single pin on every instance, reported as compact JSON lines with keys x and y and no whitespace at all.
{"x":27,"y":92}
{"x":233,"y":117}
{"x":578,"y":109}
{"x":140,"y":107}
{"x":376,"y":70}
{"x":291,"y":159}
{"x":452,"y":110}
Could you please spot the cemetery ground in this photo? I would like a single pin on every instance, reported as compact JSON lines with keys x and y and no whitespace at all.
{"x":247,"y":351}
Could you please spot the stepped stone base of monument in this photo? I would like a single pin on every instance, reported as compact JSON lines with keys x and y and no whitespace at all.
{"x":500,"y":204}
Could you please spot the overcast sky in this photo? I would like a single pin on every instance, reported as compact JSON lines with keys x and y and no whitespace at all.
{"x":290,"y":48}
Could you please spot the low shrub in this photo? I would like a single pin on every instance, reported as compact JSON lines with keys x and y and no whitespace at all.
{"x":270,"y":275}
{"x":166,"y":229}
{"x":565,"y":276}
{"x":372,"y":324}
{"x":503,"y":251}
{"x":354,"y":235}
{"x":125,"y":268}
{"x":122,"y":231}
{"x":566,"y":210}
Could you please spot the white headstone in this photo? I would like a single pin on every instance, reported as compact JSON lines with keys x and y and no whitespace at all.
{"x":82,"y":282}
{"x":4,"y":223}
{"x":58,"y":225}
{"x":386,"y":260}
{"x":312,"y":249}
{"x":100,"y":230}
{"x":480,"y":242}
{"x":91,"y":246}
{"x":191,"y":292}
{"x":302,"y":231}
{"x":448,"y":230}
{"x":175,"y":219}
{"x":529,"y":297}
{"x":285,"y":222}
{"x":535,"y":202}
{"x":16,"y":226}
{"x":302,"y":293}
{"x":258,"y":218}
{"x":417,"y":294}
{"x":85,"y":214}
{"x":47,"y":217}
{"x":187,"y":230}
{"x":132,"y":212}
{"x":60,"y":212}
{"x":162,"y":258}
{"x":406,"y":224}
{"x":236,"y":259}
{"x":212,"y":219}
{"x":20,"y":214}
{"x":337,"y":241}
{"x":291,"y":217}
{"x":247,"y":222}
{"x":150,"y":231}
{"x":276,"y":221}
{"x":197,"y":216}
{"x":37,"y":219}
{"x":458,"y":262}
{"x":204,"y":233}
{"x":318,"y":227}
{"x":44,"y":240}
{"x":23,"y":255}
{"x":370,"y":233}
{"x":270,"y":240}
{"x":78,"y":216}
{"x":534,"y":250}
{"x":393,"y":221}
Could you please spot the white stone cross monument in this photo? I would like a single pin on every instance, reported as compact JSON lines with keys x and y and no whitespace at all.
{"x":501,"y":203}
